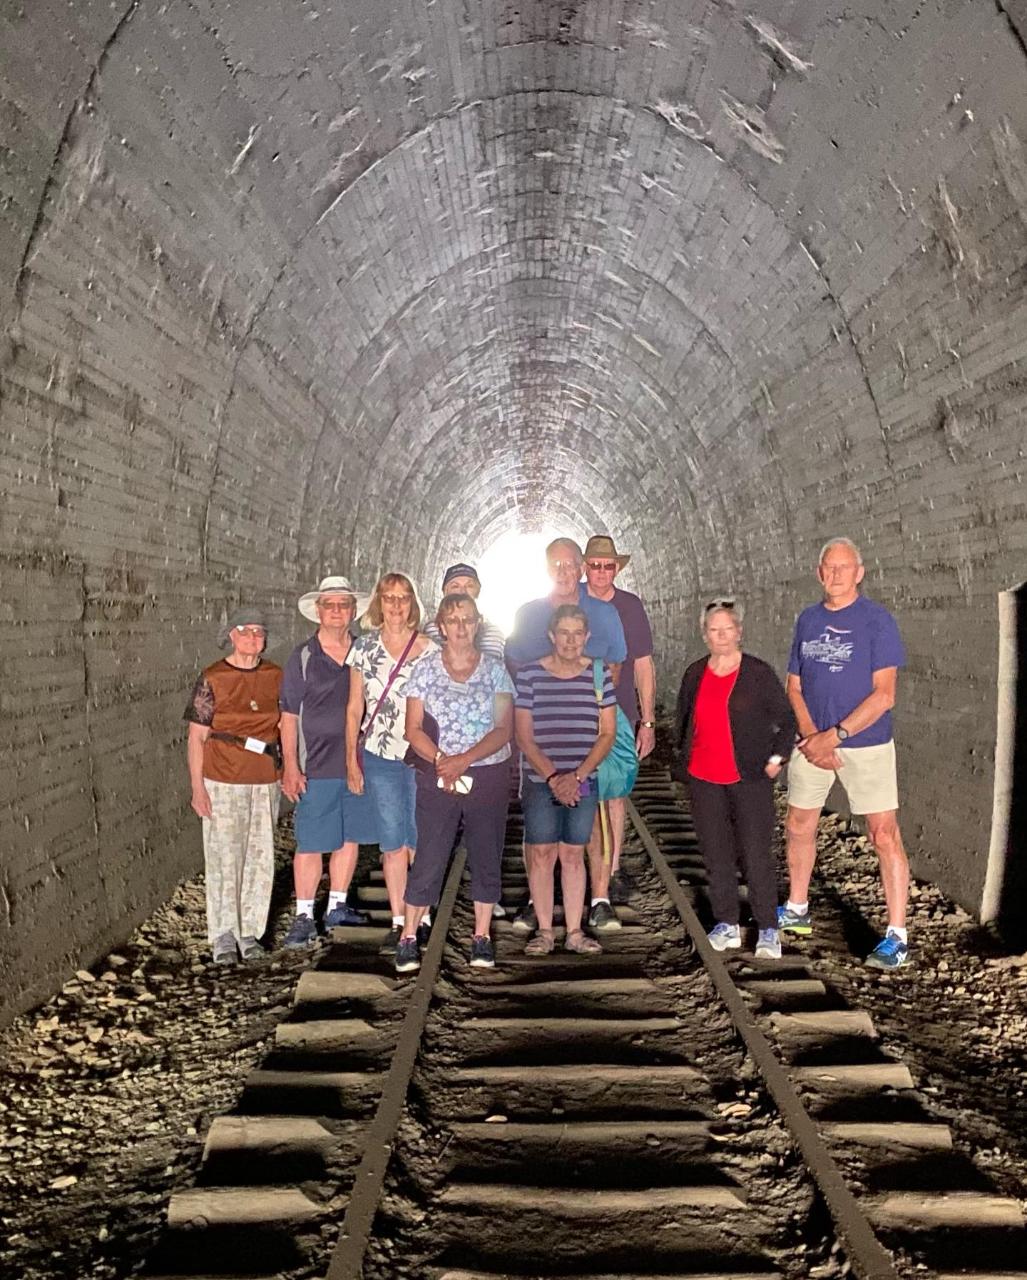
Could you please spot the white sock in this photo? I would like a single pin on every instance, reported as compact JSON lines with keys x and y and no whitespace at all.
{"x":799,"y":908}
{"x":899,"y":932}
{"x":596,"y":901}
{"x":305,"y":907}
{"x":426,"y":918}
{"x":398,"y":920}
{"x":336,"y":898}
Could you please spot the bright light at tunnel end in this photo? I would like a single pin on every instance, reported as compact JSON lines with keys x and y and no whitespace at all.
{"x":513,"y":570}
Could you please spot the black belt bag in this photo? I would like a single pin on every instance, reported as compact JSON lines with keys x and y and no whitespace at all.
{"x":272,"y":749}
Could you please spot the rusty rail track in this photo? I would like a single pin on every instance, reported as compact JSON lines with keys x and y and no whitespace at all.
{"x":590,"y":1076}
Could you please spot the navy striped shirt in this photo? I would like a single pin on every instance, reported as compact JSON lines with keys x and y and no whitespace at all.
{"x":564,"y":713}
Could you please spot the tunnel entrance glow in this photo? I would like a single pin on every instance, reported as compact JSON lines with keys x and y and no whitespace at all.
{"x":512,"y":571}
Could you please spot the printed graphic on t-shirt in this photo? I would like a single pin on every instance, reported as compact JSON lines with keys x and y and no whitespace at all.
{"x":830,"y":649}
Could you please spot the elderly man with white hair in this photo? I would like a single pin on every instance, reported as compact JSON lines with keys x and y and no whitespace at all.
{"x":329,"y":818}
{"x":842,"y":678}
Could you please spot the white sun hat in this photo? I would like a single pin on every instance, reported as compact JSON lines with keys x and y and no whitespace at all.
{"x":334,"y":585}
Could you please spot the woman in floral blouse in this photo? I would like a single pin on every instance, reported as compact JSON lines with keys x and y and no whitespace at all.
{"x":382,"y":660}
{"x":466,"y":773}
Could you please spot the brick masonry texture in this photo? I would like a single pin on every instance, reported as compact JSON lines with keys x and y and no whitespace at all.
{"x":286,"y":289}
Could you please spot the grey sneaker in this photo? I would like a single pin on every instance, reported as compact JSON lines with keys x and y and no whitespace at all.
{"x":302,"y":933}
{"x":602,"y":918}
{"x":725,"y":937}
{"x":250,"y":949}
{"x":768,"y":945}
{"x":483,"y":955}
{"x":525,"y":921}
{"x":224,"y":949}
{"x":408,"y":955}
{"x":423,"y":934}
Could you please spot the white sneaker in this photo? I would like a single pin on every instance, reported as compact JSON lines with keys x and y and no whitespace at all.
{"x":768,"y":945}
{"x":725,"y":937}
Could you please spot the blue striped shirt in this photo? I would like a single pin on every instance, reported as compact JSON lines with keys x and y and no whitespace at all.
{"x":564,"y":713}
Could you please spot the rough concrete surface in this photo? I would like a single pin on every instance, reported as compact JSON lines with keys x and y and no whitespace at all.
{"x":293,"y":288}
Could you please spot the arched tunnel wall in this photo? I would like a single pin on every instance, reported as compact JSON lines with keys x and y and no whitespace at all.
{"x":303,"y":287}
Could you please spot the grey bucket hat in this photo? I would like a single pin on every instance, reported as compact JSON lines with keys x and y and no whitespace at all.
{"x":242,"y":617}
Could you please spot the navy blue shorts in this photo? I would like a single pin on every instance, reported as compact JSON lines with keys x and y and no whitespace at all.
{"x":392,"y":791}
{"x":546,"y":821}
{"x":328,"y":815}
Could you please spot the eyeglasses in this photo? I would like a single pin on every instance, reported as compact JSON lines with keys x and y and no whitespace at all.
{"x":259,"y":632}
{"x":335,"y":606}
{"x":601,"y":566}
{"x":566,"y":564}
{"x":396,"y":599}
{"x":719,"y":604}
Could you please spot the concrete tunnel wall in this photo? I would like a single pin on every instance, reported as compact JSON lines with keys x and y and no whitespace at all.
{"x":299,"y":287}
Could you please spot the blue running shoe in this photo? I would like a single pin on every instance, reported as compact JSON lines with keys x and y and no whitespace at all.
{"x":343,"y":914}
{"x":890,"y":953}
{"x":725,"y":937}
{"x":408,"y":955}
{"x":792,"y":922}
{"x":483,"y":955}
{"x":302,"y":933}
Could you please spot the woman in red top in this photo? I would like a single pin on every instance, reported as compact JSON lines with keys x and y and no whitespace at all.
{"x":735,"y":729}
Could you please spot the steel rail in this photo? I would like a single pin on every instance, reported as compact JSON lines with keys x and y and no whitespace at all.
{"x":347,"y":1261}
{"x":867,"y":1256}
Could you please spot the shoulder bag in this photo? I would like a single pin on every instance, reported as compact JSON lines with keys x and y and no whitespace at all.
{"x":619,"y":771}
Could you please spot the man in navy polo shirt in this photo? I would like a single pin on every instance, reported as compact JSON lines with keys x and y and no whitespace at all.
{"x":842,"y":677}
{"x":328,"y":818}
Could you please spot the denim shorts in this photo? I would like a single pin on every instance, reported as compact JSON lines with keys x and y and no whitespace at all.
{"x":328,"y":815}
{"x":392,"y":789}
{"x":546,"y":821}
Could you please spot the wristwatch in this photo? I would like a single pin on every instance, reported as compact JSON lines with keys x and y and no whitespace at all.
{"x":648,"y":724}
{"x":842,"y":732}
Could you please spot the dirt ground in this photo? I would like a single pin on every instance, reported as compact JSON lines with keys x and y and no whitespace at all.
{"x":107,"y":1090}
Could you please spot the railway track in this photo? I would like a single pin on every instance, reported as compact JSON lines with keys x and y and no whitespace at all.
{"x":654,"y":1111}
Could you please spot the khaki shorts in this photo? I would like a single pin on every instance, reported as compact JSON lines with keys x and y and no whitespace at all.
{"x":868,"y":777}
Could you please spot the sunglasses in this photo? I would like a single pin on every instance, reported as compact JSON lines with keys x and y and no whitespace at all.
{"x":601,"y":566}
{"x":719,"y":604}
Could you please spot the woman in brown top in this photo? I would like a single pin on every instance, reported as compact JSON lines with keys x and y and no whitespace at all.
{"x":234,"y":768}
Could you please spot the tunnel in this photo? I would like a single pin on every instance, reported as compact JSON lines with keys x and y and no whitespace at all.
{"x":340,"y":287}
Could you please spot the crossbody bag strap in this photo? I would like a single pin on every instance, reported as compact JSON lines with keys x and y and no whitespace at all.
{"x":388,"y":683}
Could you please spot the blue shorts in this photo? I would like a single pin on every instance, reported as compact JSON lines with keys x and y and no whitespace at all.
{"x":546,"y":821}
{"x":329,"y":815}
{"x":392,"y":790}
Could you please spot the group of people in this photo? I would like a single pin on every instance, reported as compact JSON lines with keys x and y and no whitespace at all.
{"x":386,"y":729}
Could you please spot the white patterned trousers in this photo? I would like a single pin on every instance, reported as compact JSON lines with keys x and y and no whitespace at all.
{"x":239,"y":856}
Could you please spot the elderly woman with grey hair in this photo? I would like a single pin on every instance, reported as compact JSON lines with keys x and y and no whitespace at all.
{"x":735,"y":729}
{"x":234,"y":767}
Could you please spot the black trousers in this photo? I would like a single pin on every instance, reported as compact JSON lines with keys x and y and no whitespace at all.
{"x":439,"y":814}
{"x":734,"y":823}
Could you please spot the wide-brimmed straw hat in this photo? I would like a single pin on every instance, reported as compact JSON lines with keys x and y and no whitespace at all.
{"x":600,"y":545}
{"x":334,"y":585}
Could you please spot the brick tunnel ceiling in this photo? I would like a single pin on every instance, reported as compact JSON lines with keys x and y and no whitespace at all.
{"x":461,"y":268}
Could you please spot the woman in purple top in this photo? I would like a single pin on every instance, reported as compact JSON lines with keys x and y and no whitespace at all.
{"x":564,"y":732}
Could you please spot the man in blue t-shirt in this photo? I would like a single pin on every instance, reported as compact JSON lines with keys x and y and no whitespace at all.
{"x":530,"y":639}
{"x":842,"y":677}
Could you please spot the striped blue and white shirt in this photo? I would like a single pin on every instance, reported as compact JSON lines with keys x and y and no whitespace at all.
{"x":564,"y":713}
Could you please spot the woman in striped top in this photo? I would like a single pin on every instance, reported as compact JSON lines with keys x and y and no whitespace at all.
{"x":564,"y":731}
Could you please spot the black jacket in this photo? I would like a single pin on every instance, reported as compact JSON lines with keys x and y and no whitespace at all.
{"x":762,"y":720}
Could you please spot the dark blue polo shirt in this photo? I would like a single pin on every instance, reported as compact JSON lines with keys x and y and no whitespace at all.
{"x":320,"y":702}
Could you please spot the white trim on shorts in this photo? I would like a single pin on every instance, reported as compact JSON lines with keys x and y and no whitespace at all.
{"x":868,"y":777}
